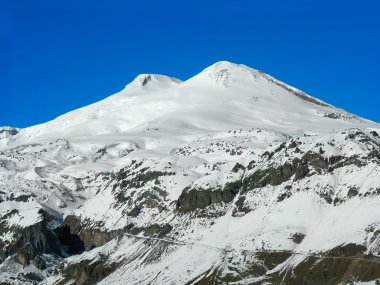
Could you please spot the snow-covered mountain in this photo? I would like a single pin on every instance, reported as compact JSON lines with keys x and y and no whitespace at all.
{"x":229,"y":177}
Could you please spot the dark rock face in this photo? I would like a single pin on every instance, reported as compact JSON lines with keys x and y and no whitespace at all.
{"x":334,"y":270}
{"x":78,"y":236}
{"x":135,"y":177}
{"x":375,"y":134}
{"x":11,"y":131}
{"x":273,"y":176}
{"x":29,"y":242}
{"x":297,"y":238}
{"x":283,"y":196}
{"x":352,"y":192}
{"x":146,"y":80}
{"x":94,"y":238}
{"x":142,"y":177}
{"x":316,"y":160}
{"x":192,"y":199}
{"x":240,"y":207}
{"x":310,"y":164}
{"x":84,"y":237}
{"x":71,"y":242}
{"x":19,"y":198}
{"x":237,"y":167}
{"x":230,"y":190}
{"x":331,"y":270}
{"x":198,"y":199}
{"x":128,"y":188}
{"x":87,"y":272}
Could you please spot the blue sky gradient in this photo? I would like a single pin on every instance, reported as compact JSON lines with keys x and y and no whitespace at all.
{"x":56,"y":56}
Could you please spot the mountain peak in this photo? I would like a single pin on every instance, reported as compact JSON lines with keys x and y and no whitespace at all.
{"x":227,"y":74}
{"x":228,"y":66}
{"x":154,"y":81}
{"x":192,"y":164}
{"x":224,"y":64}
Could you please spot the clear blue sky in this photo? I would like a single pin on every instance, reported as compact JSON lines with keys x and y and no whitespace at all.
{"x":56,"y":56}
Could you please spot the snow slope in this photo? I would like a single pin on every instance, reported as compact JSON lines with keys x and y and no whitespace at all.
{"x":169,"y":182}
{"x":222,"y":97}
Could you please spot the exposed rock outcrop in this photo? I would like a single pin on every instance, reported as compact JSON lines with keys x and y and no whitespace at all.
{"x":30,"y":242}
{"x":192,"y":199}
{"x":84,"y":236}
